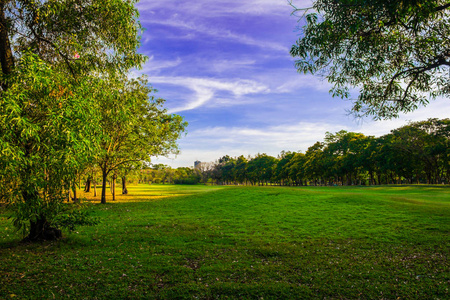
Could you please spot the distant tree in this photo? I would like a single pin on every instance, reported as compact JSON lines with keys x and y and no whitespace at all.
{"x":241,"y":169}
{"x":417,"y":152}
{"x":423,"y":147}
{"x":186,"y":175}
{"x":229,"y":170}
{"x":261,"y":168}
{"x":297,"y":169}
{"x":205,"y":169}
{"x":368,"y":158}
{"x":342,"y":152}
{"x":395,"y":53}
{"x":314,"y":164}
{"x":282,"y":172}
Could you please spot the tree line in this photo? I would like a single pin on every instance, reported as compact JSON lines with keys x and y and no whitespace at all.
{"x":416,"y":153}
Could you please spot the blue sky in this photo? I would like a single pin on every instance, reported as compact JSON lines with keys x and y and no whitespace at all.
{"x":224,"y":65}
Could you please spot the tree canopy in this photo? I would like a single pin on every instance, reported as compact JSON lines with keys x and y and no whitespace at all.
{"x":394,"y":54}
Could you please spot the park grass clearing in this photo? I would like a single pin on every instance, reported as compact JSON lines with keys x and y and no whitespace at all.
{"x":202,"y":242}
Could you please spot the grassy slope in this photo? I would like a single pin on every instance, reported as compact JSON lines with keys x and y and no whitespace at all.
{"x":244,"y":242}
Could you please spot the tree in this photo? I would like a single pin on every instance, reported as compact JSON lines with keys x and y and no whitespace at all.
{"x":423,"y":147}
{"x":395,"y":53}
{"x":229,"y":170}
{"x":342,"y":152}
{"x":314,"y":163}
{"x":261,"y":168}
{"x":296,"y":167}
{"x":241,"y":169}
{"x":282,"y":172}
{"x":134,"y":126}
{"x":46,"y":126}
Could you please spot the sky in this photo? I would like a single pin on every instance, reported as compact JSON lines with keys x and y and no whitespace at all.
{"x":224,"y":65}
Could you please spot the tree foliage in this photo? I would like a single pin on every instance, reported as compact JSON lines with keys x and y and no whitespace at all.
{"x":47,"y":127}
{"x":395,"y":54}
{"x":134,"y":126}
{"x":78,"y":35}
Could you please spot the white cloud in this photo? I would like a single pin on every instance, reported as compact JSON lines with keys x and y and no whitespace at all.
{"x":205,"y":89}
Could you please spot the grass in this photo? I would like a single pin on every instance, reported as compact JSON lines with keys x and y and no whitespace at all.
{"x":200,"y":242}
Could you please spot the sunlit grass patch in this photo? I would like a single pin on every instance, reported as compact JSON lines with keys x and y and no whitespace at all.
{"x":147,"y":192}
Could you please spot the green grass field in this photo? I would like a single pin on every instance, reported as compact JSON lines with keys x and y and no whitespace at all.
{"x":200,"y":242}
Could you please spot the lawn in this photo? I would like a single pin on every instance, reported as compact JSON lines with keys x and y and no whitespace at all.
{"x":202,"y":242}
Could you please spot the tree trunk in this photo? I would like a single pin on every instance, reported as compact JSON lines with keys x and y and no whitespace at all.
{"x":104,"y":175}
{"x":74,"y":190}
{"x":94,"y":182}
{"x":124,"y":185}
{"x":113,"y":187}
{"x":6,"y":57}
{"x":40,"y":229}
{"x":87,"y":187}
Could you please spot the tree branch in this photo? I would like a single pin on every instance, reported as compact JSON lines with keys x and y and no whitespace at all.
{"x":442,"y":7}
{"x":417,"y":70}
{"x":66,"y":59}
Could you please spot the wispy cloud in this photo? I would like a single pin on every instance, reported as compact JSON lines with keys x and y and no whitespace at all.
{"x":223,"y":65}
{"x":220,"y":33}
{"x":205,"y":89}
{"x":272,"y":139}
{"x":303,"y":81}
{"x":153,"y":65}
{"x":220,"y":8}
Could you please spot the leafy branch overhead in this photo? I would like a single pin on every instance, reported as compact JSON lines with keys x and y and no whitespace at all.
{"x":394,"y":54}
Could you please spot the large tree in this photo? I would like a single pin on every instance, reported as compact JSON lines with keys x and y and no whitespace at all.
{"x":394,"y":54}
{"x":134,"y":126}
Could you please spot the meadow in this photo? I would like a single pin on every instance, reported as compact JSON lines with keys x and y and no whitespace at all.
{"x":209,"y":242}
